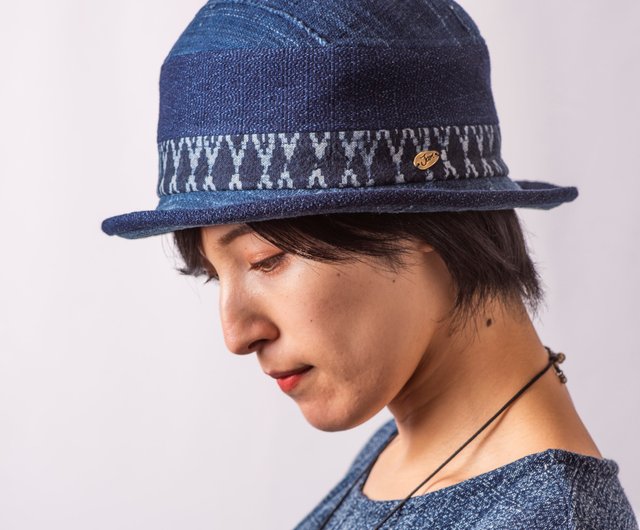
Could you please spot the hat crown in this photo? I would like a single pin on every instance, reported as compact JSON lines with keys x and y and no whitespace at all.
{"x":248,"y":67}
{"x":221,"y":25}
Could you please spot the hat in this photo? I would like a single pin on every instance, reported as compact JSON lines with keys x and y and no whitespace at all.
{"x":280,"y":108}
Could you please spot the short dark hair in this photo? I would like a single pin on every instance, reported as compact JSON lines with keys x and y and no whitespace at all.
{"x":484,"y":251}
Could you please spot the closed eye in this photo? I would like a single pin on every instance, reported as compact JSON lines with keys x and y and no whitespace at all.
{"x":267,"y":265}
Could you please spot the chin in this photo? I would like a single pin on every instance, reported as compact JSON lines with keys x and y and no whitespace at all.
{"x":323,"y":418}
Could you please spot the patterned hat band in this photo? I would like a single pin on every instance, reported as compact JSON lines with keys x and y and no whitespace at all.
{"x":335,"y":159}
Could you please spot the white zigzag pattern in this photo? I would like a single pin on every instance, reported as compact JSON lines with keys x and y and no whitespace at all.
{"x":362,"y":143}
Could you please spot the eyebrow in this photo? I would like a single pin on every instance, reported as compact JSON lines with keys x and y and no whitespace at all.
{"x":226,"y":239}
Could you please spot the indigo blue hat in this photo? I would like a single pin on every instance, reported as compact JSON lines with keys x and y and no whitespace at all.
{"x":282,"y":108}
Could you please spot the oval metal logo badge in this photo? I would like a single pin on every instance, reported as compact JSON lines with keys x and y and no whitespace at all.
{"x":425,"y":159}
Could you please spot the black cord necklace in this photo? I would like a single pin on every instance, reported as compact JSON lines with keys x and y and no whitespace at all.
{"x":554,"y":360}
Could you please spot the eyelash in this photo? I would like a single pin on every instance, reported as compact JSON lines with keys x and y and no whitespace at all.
{"x":263,"y":266}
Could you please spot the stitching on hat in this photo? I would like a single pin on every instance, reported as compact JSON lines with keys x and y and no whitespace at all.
{"x":460,"y":16}
{"x":442,"y":21}
{"x":277,"y":12}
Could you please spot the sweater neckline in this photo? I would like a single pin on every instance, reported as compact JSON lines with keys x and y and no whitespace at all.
{"x":541,"y":459}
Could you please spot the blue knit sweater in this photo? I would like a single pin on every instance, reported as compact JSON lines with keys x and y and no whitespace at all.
{"x":551,"y":490}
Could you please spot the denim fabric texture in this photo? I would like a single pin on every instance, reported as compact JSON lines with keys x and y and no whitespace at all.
{"x":551,"y":490}
{"x":281,"y":108}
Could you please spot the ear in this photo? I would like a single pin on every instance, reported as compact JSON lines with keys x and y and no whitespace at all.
{"x":423,"y":246}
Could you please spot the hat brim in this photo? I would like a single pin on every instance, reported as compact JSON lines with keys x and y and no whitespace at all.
{"x":205,"y":208}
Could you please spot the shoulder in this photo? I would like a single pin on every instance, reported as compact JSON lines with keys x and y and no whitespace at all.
{"x":560,"y":489}
{"x":597,"y":498}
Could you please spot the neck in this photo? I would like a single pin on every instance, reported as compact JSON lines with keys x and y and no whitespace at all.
{"x":464,"y":379}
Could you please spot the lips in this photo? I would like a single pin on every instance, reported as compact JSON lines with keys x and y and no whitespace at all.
{"x":280,"y":375}
{"x":289,"y":382}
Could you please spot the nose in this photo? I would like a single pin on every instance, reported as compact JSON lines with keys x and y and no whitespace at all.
{"x":245,"y":321}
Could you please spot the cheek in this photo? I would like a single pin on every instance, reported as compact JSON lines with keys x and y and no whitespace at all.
{"x":353,"y":329}
{"x":331,"y":310}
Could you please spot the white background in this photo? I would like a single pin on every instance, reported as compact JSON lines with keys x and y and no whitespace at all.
{"x":120,"y":406}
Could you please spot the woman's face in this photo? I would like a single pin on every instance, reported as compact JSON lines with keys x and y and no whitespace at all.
{"x":362,"y":328}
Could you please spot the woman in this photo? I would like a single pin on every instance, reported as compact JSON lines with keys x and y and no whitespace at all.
{"x":336,"y":167}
